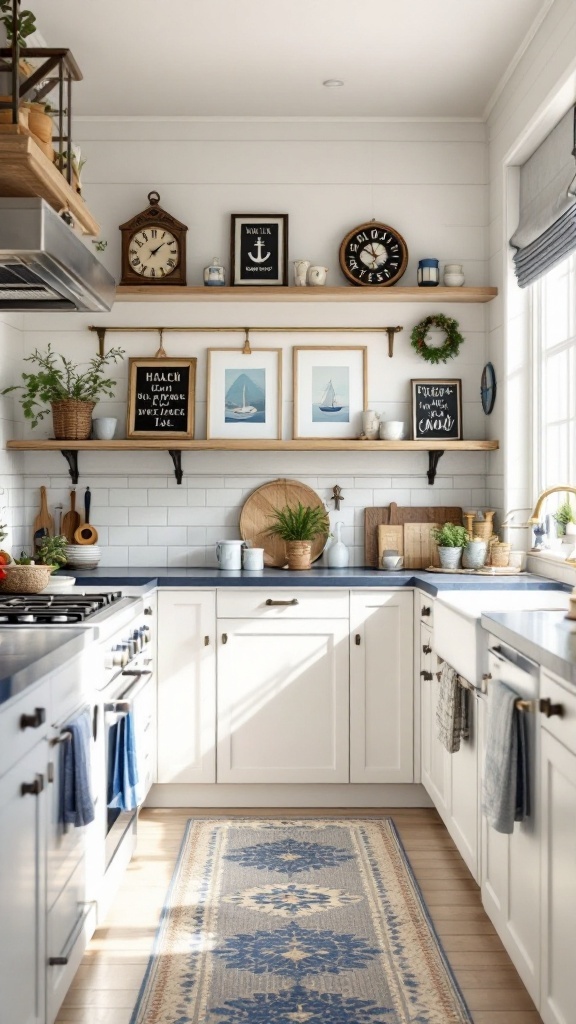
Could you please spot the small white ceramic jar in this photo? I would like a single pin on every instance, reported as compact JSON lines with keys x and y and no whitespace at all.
{"x":453,"y":276}
{"x":103,"y":427}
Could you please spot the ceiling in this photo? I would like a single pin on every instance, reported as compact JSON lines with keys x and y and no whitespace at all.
{"x":268,"y":58}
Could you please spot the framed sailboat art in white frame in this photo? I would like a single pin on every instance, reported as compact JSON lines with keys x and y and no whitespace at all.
{"x":329,"y":391}
{"x":244,"y":394}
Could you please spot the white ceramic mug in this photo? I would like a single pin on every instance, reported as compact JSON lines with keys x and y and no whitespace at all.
{"x":317,"y":275}
{"x":392,"y":561}
{"x":103,"y":427}
{"x":253,"y":559}
{"x":300,"y":272}
{"x":229,"y":554}
{"x":392,"y":430}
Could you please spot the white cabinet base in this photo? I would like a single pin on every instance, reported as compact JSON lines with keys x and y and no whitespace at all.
{"x":298,"y":795}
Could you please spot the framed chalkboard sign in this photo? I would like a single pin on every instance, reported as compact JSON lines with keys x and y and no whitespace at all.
{"x":437,"y":410}
{"x":161,"y":394}
{"x":259,"y":248}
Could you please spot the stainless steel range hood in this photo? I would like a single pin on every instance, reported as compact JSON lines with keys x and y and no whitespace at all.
{"x":44,"y":265}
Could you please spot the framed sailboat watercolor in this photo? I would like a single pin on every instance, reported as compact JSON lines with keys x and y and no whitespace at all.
{"x":329,"y":391}
{"x":244,"y":394}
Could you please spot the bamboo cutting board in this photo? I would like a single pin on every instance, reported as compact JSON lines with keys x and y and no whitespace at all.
{"x":255,"y":521}
{"x":390,"y":538}
{"x":397,"y":515}
{"x":420,"y":550}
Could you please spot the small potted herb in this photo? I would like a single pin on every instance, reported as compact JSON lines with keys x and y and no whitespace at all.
{"x":299,"y":526}
{"x":51,"y":551}
{"x":563,"y":515}
{"x":70,"y":389}
{"x":450,"y":540}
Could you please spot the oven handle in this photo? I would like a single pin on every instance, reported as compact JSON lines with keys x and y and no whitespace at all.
{"x":141,"y":678}
{"x":518,"y":660}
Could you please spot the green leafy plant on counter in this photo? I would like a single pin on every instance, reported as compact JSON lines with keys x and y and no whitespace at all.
{"x":563,"y":515}
{"x":300,"y":523}
{"x":54,"y":383}
{"x":25,"y":22}
{"x":450,"y":536}
{"x":51,"y":552}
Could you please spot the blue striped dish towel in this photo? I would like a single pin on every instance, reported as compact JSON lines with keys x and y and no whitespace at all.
{"x":505,"y":791}
{"x":123,"y":784}
{"x":76,"y":804}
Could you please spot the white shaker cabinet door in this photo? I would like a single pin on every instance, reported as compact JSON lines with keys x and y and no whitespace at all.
{"x":22,"y":891}
{"x":283,"y":700}
{"x":186,"y":686}
{"x":381,"y":687}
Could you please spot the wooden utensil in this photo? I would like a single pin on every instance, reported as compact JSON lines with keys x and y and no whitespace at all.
{"x":86,"y":534}
{"x":390,"y":538}
{"x":43,"y":525}
{"x":71,"y":520}
{"x":420,"y":550}
{"x":255,"y":521}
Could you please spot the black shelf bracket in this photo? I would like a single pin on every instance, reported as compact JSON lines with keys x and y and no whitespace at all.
{"x":433,"y":460}
{"x":71,"y":457}
{"x":176,"y":456}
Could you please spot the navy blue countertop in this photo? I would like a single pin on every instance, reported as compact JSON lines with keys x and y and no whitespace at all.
{"x":548,"y":637}
{"x":431,"y":583}
{"x":28,"y":654}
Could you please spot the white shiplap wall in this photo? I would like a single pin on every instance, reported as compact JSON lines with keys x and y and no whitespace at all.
{"x":11,"y":464}
{"x":427,"y":179}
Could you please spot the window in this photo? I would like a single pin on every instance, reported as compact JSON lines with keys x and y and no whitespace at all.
{"x":554,"y":362}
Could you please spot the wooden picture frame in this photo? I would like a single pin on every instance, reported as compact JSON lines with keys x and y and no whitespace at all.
{"x":259,"y":249}
{"x":330,"y":391}
{"x":244,"y":394}
{"x":436,"y":409}
{"x":161,"y":397}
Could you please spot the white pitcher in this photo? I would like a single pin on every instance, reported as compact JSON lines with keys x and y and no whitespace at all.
{"x":317,"y":275}
{"x":300,"y":272}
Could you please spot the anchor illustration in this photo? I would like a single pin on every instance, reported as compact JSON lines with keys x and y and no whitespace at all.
{"x":259,"y":258}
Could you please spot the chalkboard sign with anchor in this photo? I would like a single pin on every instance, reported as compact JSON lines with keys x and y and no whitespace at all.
{"x":437,"y":410}
{"x":161,"y":394}
{"x":259,"y":248}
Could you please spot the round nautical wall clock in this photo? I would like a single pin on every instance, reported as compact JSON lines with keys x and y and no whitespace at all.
{"x":153,"y":247}
{"x":374,"y":254}
{"x":488,"y":388}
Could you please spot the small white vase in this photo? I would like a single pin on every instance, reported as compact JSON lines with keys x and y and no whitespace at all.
{"x":453,"y":276}
{"x":450,"y":557}
{"x":103,"y":427}
{"x":338,"y":555}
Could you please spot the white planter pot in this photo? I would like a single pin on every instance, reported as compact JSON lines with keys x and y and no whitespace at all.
{"x":450,"y":557}
{"x":474,"y":554}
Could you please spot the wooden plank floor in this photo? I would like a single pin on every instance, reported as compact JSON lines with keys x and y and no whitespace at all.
{"x":106,"y":986}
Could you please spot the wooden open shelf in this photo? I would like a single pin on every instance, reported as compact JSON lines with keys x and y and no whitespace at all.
{"x":175,"y":448}
{"x":345,"y":293}
{"x":26,"y":171}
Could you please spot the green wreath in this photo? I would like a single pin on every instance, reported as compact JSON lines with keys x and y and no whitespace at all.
{"x":446,"y":351}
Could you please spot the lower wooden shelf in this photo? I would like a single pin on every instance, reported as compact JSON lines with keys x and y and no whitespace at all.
{"x":175,"y":448}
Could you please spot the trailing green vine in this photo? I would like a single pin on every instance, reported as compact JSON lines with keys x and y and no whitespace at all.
{"x":444,"y":352}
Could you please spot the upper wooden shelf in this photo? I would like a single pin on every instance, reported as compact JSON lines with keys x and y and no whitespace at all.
{"x":26,"y":171}
{"x":345,"y":293}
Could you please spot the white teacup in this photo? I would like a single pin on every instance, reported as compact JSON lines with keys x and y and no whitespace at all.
{"x":253,"y":559}
{"x":103,"y":427}
{"x":392,"y":561}
{"x":391,"y":430}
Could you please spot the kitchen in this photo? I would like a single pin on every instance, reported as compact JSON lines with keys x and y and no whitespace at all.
{"x":434,"y":173}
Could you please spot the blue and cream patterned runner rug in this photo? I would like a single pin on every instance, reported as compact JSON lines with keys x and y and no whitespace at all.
{"x":316,"y":921}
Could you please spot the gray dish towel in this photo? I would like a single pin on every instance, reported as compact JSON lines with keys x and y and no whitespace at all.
{"x":452,"y":709}
{"x":505,"y":794}
{"x":76,"y":805}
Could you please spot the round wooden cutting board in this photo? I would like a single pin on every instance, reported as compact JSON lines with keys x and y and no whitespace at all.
{"x":255,"y":520}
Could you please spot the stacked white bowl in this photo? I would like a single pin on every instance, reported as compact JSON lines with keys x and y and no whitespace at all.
{"x":82,"y":556}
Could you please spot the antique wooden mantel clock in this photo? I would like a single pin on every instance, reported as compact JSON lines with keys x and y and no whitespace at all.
{"x":153,"y":247}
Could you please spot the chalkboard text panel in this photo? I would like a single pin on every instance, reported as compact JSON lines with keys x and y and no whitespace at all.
{"x":161,"y":394}
{"x":437,"y":410}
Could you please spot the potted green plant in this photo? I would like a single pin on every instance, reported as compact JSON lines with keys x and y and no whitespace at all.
{"x":69,"y":389}
{"x":298,"y":526}
{"x":563,"y":515}
{"x":450,"y":540}
{"x":51,"y":551}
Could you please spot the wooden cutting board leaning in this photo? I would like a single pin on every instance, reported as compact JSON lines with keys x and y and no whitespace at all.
{"x":397,"y":515}
{"x":255,"y":521}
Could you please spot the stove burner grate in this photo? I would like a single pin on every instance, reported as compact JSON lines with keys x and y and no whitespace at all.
{"x":44,"y":609}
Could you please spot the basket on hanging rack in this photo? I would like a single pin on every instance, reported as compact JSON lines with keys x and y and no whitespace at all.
{"x":72,"y":419}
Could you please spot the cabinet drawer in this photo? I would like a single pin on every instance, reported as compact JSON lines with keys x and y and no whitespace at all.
{"x":283,"y":603}
{"x":425,"y":603}
{"x":562,"y":727}
{"x":17,"y":739}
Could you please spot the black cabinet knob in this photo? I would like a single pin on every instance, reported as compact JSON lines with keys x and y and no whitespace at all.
{"x":33,"y":721}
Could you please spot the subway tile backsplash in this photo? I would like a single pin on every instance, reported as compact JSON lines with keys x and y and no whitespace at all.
{"x":148,"y":521}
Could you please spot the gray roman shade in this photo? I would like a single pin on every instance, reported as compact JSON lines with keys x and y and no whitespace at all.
{"x":546,"y":233}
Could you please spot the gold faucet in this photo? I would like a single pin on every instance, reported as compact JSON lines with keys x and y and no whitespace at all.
{"x":535,"y":517}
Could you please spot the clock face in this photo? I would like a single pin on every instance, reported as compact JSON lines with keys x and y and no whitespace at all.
{"x":373,"y":254}
{"x":153,"y":252}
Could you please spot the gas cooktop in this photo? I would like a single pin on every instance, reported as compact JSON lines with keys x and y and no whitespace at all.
{"x":53,"y":609}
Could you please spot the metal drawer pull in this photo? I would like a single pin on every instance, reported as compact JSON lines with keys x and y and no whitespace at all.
{"x":551,"y":710}
{"x":32,"y":788}
{"x":426,"y":649}
{"x":357,"y":640}
{"x":64,"y":737}
{"x":148,"y":611}
{"x":206,"y":641}
{"x":121,"y":707}
{"x":293,"y":601}
{"x":224,"y":638}
{"x":486,"y":676}
{"x":426,"y":675}
{"x":57,"y":961}
{"x":426,"y":610}
{"x":33,"y":721}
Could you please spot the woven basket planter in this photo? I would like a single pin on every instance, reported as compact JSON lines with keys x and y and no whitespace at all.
{"x":72,"y":420}
{"x":299,"y":554}
{"x":25,"y":579}
{"x":500,"y":554}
